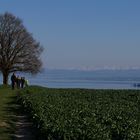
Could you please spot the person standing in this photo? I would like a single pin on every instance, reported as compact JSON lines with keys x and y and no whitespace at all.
{"x":18,"y":81}
{"x":13,"y":80}
{"x":26,"y":83}
{"x":22,"y":82}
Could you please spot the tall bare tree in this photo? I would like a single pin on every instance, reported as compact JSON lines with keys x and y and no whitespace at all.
{"x":19,"y":51}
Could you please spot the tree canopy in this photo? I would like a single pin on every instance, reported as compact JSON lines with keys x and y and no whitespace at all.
{"x":19,"y":51}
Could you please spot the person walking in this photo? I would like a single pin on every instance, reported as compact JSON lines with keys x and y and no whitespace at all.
{"x":18,"y":81}
{"x":26,"y":83}
{"x":13,"y":80}
{"x":22,"y":82}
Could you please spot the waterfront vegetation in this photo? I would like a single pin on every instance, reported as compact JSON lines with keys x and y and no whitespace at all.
{"x":83,"y":114}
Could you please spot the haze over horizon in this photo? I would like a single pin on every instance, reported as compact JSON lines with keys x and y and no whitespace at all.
{"x":83,"y":34}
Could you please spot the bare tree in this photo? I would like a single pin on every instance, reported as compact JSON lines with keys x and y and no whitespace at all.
{"x":19,"y":51}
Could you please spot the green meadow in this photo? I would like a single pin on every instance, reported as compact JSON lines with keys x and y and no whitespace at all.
{"x":73,"y":114}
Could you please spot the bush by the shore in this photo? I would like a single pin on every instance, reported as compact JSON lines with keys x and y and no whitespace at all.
{"x":74,"y":114}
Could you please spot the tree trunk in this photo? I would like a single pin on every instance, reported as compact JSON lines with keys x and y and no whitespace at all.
{"x":5,"y":78}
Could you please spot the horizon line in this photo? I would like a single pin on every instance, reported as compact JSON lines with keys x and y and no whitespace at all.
{"x":92,"y":69}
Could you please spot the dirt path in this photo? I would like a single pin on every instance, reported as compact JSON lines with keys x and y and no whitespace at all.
{"x":24,"y":127}
{"x":14,"y":122}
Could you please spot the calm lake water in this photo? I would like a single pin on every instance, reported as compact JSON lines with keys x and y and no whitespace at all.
{"x":98,"y":79}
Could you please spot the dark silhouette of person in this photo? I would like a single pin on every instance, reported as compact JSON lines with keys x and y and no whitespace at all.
{"x":13,"y":80}
{"x":18,"y":81}
{"x":22,"y":82}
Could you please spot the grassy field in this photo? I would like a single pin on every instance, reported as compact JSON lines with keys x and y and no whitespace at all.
{"x":7,"y":113}
{"x":72,"y":114}
{"x":65,"y":114}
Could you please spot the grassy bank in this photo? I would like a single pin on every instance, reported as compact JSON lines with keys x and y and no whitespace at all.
{"x":84,"y":114}
{"x":7,"y":113}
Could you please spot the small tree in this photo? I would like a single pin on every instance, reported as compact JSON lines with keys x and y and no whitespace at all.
{"x":19,"y":51}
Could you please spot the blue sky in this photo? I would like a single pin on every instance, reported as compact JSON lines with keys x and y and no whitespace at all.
{"x":83,"y":34}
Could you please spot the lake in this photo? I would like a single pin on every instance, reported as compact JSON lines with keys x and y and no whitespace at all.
{"x":96,"y":79}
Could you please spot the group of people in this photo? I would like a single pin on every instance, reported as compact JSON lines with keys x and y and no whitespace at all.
{"x":18,"y":82}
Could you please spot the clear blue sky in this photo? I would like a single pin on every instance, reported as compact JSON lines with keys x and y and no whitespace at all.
{"x":82,"y":33}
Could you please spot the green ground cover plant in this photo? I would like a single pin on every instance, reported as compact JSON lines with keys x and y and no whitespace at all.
{"x":73,"y":114}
